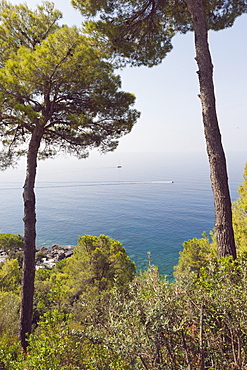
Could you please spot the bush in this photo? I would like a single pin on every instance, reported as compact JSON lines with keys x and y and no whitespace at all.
{"x":11,"y":354}
{"x":196,"y":253}
{"x":11,"y":241}
{"x":10,"y":275}
{"x":9,"y":312}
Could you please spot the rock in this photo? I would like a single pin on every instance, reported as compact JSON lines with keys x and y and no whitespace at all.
{"x":45,"y":257}
{"x":54,"y":254}
{"x":68,"y":254}
{"x":42,"y":249}
{"x":60,"y":256}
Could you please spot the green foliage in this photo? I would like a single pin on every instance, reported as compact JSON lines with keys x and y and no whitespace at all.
{"x":10,"y":279}
{"x":141,"y":31}
{"x":196,"y":253}
{"x":181,"y":325}
{"x":9,"y":242}
{"x":82,"y":283}
{"x":97,"y":314}
{"x":221,"y":288}
{"x":199,"y":253}
{"x":21,"y":26}
{"x":54,"y":345}
{"x":10,"y":275}
{"x":51,"y":347}
{"x":201,"y":319}
{"x":64,"y":85}
{"x":239,"y":213}
{"x":243,"y":191}
{"x":13,"y":246}
{"x":139,"y":321}
{"x":9,"y":312}
{"x":57,"y":93}
{"x":10,"y":352}
{"x":101,"y":262}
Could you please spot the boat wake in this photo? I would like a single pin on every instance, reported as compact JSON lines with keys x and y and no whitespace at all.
{"x":101,"y":183}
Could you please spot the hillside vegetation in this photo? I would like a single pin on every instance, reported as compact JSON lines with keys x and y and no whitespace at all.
{"x":93,"y":311}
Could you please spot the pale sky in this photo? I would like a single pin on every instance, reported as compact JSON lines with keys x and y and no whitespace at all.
{"x":166,"y":94}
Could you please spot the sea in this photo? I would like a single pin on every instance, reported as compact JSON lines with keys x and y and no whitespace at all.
{"x":150,"y":202}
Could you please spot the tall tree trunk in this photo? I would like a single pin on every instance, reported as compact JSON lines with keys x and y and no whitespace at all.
{"x":29,"y":219}
{"x":218,"y":170}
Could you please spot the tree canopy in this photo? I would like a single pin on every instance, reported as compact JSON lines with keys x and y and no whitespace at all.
{"x":98,"y":265}
{"x":11,"y":241}
{"x":21,"y":26}
{"x":58,"y":93}
{"x":141,"y":31}
{"x":101,"y":262}
{"x":66,"y":87}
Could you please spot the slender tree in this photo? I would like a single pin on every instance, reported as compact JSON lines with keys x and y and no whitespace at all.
{"x":57,"y":94}
{"x":140,"y":33}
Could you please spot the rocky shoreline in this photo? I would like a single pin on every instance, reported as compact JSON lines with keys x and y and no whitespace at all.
{"x":46,"y":257}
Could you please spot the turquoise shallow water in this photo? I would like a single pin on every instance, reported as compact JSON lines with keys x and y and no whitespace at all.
{"x":136,"y":204}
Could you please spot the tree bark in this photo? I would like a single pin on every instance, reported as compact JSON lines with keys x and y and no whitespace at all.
{"x":217,"y":162}
{"x":29,"y":219}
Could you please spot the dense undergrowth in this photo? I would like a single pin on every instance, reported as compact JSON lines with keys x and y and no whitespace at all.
{"x":197,"y":322}
{"x":92,"y":311}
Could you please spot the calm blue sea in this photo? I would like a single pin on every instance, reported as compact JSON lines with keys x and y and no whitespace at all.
{"x":136,"y":204}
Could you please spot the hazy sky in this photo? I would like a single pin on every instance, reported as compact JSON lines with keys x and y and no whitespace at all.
{"x":166,"y":94}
